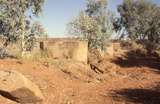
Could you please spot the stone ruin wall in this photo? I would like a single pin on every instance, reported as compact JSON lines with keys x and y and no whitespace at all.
{"x":66,"y":49}
{"x":60,"y":48}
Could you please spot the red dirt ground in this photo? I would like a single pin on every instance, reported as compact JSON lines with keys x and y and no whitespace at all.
{"x":67,"y":82}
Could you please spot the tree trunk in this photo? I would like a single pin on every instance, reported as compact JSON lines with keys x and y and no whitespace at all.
{"x":22,"y":36}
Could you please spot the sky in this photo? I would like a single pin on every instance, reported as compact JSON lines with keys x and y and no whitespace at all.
{"x":58,"y":13}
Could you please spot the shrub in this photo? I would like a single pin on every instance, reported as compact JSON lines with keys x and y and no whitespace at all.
{"x":134,"y":47}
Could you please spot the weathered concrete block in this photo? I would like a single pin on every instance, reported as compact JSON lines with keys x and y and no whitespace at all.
{"x":81,"y":52}
{"x":68,"y":49}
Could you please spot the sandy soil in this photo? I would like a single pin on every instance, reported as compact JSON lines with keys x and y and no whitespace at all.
{"x":67,"y":82}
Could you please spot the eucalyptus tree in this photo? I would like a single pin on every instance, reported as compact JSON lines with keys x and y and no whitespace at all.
{"x":141,"y":20}
{"x":94,"y":23}
{"x":13,"y":14}
{"x":35,"y":31}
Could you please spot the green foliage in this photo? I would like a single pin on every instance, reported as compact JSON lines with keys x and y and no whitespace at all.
{"x":93,"y":24}
{"x":35,"y":31}
{"x":13,"y":14}
{"x":85,"y":28}
{"x":13,"y":22}
{"x":38,"y":29}
{"x":141,"y":20}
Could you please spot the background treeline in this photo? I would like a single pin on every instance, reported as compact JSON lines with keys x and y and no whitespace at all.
{"x":139,"y":22}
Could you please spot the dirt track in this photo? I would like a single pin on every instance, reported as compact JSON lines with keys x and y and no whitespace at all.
{"x":139,"y":84}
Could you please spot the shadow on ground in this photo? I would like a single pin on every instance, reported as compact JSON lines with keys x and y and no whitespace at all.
{"x":8,"y":96}
{"x":142,"y":96}
{"x":149,"y":95}
{"x":132,"y":59}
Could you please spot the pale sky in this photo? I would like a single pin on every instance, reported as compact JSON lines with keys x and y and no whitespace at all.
{"x":58,"y":13}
